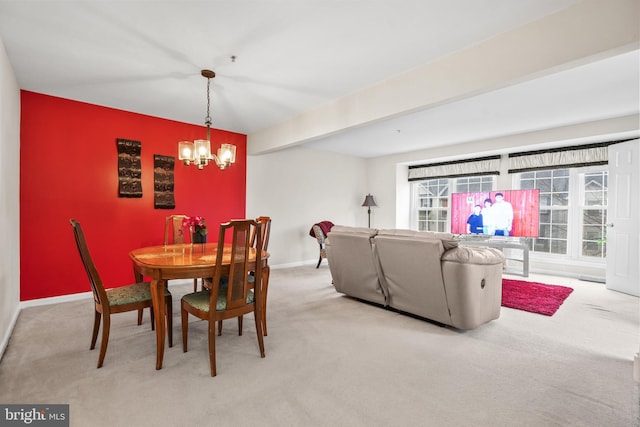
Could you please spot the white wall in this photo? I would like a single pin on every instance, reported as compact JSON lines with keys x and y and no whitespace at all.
{"x":298,"y":187}
{"x":9,"y":199}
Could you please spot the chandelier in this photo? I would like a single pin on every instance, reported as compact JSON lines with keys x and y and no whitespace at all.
{"x":198,"y":152}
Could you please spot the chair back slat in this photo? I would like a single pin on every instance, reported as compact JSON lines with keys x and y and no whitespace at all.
{"x":99,"y":293}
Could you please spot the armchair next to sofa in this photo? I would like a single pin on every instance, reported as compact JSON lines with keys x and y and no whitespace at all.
{"x":422,"y":273}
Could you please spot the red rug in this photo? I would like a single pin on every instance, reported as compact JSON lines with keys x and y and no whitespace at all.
{"x":533,"y":297}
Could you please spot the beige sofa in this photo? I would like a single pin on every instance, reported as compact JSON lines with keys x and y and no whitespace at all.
{"x":423,"y":273}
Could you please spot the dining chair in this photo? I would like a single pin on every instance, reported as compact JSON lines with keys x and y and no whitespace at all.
{"x":234,"y":297}
{"x":265,"y":232}
{"x":174,"y":233}
{"x":117,"y":300}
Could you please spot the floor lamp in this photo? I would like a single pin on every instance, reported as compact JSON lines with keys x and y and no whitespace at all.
{"x":368,"y":202}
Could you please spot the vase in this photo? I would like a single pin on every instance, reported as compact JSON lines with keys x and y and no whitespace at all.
{"x":198,"y":238}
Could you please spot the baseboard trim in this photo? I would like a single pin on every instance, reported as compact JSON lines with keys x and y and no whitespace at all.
{"x":294,"y":264}
{"x":596,"y":279}
{"x":79,"y":296}
{"x":55,"y":300}
{"x":7,"y":336}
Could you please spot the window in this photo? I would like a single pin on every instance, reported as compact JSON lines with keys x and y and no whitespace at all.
{"x":474,"y":184}
{"x":433,"y":204}
{"x":432,"y":197}
{"x":594,"y":213}
{"x":554,"y":208}
{"x":573,"y":208}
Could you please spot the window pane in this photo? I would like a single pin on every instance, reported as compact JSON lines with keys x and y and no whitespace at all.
{"x":593,"y":249}
{"x":594,"y":220}
{"x":559,"y":216}
{"x":559,"y":246}
{"x":545,"y":199}
{"x":594,"y":198}
{"x":544,"y":185}
{"x":560,"y":199}
{"x":526,"y":184}
{"x":545,"y":216}
{"x":593,"y":216}
{"x":590,"y":232}
{"x":561,"y":184}
{"x":559,"y":231}
{"x":593,"y":182}
{"x":541,"y":245}
{"x":545,"y":230}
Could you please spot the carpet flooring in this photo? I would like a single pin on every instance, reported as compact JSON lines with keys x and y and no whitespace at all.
{"x":334,"y":361}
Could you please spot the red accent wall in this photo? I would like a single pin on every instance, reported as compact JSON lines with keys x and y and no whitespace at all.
{"x":68,"y":169}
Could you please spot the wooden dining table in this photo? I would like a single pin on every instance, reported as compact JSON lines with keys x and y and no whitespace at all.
{"x":180,"y":261}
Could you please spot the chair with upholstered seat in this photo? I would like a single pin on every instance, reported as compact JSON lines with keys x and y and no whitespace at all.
{"x":232,"y":298}
{"x":116,"y":300}
{"x":175,"y":232}
{"x":265,"y":231}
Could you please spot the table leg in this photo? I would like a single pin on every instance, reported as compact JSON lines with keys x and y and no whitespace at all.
{"x":157,"y":294}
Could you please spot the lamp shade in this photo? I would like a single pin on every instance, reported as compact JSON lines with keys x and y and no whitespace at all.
{"x":368,"y":201}
{"x":186,"y":152}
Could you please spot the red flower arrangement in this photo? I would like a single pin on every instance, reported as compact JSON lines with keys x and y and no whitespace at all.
{"x":196,"y":223}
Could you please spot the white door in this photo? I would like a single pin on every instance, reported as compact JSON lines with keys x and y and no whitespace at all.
{"x":623,"y":231}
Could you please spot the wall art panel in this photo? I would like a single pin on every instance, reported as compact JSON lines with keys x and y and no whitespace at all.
{"x":129,"y":168}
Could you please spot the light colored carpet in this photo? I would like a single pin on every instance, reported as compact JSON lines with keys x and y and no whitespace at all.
{"x":334,"y":361}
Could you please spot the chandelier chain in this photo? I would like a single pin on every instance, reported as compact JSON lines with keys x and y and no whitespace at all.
{"x":207,"y":119}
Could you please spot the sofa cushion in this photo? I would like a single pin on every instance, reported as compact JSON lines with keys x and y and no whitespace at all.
{"x":399,"y":232}
{"x":449,"y":241}
{"x":355,"y":230}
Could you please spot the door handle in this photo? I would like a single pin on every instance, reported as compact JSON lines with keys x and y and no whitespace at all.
{"x":609,"y":224}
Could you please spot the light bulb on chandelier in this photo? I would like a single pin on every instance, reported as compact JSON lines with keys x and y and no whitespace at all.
{"x":198,"y":152}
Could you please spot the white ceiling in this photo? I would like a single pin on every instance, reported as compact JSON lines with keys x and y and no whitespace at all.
{"x":293,"y":56}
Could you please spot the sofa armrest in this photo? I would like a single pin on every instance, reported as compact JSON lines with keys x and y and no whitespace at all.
{"x":473,"y":280}
{"x":474,"y":255}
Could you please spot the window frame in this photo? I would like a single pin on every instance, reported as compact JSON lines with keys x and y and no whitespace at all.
{"x":452,"y":183}
{"x":575,"y":208}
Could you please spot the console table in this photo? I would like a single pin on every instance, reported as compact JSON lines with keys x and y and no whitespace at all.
{"x":502,"y":244}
